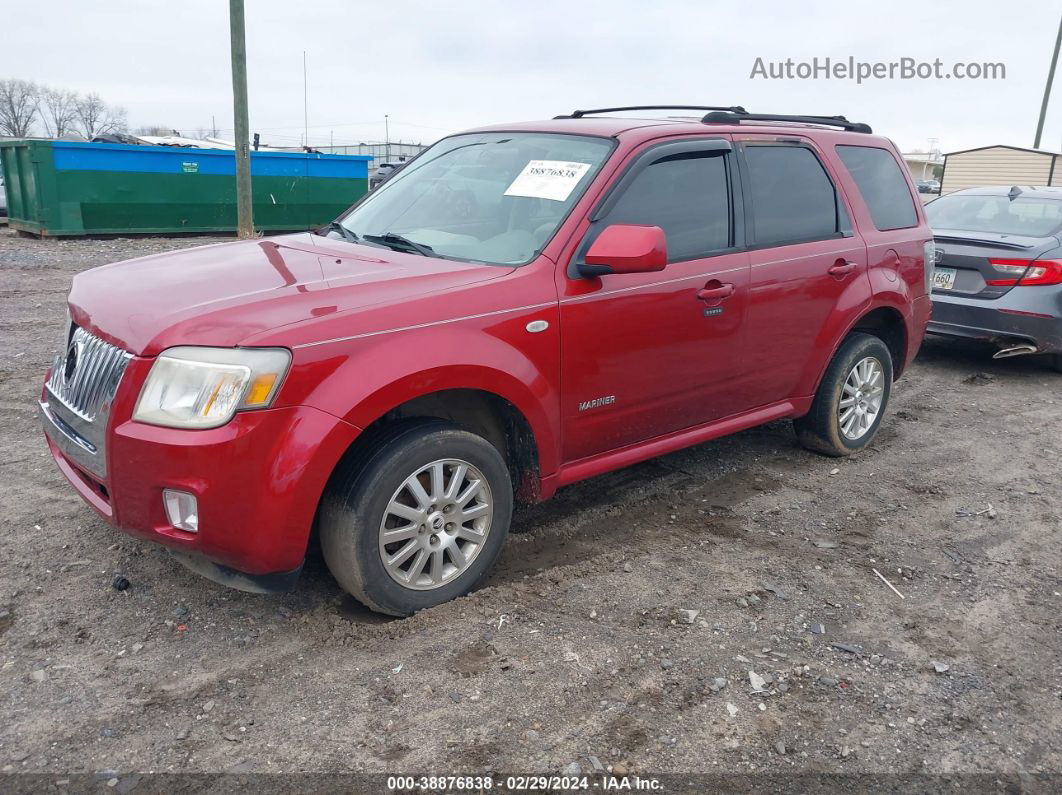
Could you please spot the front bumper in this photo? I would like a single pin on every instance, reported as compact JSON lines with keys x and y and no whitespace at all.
{"x":1032,"y":314}
{"x":257,"y":480}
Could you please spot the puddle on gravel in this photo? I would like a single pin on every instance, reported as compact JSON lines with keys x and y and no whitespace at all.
{"x":727,"y":527}
{"x":733,"y":488}
{"x":474,"y":660}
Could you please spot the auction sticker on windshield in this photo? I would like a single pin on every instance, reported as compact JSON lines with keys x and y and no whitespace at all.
{"x":548,"y":179}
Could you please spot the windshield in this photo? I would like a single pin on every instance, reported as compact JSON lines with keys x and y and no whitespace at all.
{"x":1028,"y":217}
{"x":488,"y":197}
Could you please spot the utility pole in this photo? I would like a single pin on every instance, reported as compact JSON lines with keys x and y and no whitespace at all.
{"x":929,"y":158}
{"x":305,"y":106}
{"x":387,"y":140}
{"x":1047,"y":88}
{"x":244,"y":216}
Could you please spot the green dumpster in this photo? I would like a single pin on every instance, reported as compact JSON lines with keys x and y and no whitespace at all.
{"x":72,"y":188}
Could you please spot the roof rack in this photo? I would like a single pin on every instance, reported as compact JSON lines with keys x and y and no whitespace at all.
{"x":578,"y":114}
{"x":736,"y":115}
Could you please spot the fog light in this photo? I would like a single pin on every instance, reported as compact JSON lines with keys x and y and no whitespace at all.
{"x":182,"y":509}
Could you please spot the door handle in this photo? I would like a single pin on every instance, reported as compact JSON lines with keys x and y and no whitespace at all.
{"x":842,"y":267}
{"x":715,"y":293}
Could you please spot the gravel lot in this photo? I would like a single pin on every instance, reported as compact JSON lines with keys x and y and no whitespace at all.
{"x":620,"y":629}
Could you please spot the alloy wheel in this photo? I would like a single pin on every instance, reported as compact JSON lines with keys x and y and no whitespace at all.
{"x":861,"y":398}
{"x":436,"y":524}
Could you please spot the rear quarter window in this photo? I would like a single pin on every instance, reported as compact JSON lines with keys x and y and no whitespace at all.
{"x":882,"y":185}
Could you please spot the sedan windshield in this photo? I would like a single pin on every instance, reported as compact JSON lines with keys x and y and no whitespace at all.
{"x":1028,"y":217}
{"x":487,"y":197}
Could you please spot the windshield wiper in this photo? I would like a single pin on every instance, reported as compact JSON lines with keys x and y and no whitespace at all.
{"x":347,"y":235}
{"x":400,"y":243}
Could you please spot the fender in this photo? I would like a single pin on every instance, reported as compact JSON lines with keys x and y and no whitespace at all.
{"x":886,"y":294}
{"x":851,"y":305}
{"x":360,"y":380}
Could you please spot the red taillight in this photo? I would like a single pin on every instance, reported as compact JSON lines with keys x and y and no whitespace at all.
{"x":1026,"y":272}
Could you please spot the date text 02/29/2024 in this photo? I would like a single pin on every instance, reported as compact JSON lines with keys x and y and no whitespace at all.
{"x":517,"y":783}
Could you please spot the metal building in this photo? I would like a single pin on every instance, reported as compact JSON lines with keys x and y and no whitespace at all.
{"x":1000,"y":165}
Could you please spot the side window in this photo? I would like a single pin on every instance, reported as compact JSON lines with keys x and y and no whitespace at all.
{"x":882,"y":184}
{"x":792,"y":197}
{"x":686,"y":196}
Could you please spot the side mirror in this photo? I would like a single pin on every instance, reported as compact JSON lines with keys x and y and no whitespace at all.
{"x":625,"y":248}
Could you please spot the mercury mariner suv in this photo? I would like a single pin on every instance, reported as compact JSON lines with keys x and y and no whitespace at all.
{"x":520,"y":307}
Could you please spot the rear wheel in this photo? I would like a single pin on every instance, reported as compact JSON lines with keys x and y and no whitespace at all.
{"x":851,"y":400}
{"x":420,"y":521}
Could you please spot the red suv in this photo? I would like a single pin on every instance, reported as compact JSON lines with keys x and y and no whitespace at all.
{"x":519,"y":308}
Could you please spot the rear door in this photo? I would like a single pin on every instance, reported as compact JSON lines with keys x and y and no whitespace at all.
{"x":804,"y":258}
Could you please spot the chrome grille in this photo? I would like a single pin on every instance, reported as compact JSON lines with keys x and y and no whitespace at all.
{"x":86,"y":375}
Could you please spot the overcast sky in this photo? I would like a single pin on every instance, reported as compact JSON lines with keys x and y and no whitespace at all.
{"x":439,"y":67}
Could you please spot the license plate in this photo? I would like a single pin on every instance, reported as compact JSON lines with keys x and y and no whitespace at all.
{"x":943,"y":278}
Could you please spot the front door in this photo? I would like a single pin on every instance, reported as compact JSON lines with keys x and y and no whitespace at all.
{"x":650,"y":353}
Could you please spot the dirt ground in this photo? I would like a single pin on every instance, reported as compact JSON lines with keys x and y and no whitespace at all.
{"x":606,"y":634}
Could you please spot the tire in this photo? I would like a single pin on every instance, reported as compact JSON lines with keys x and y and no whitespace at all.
{"x":1056,"y":362}
{"x":359,"y":504}
{"x":821,"y":428}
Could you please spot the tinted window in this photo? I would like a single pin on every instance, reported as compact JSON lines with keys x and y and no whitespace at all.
{"x":688,"y":198}
{"x":882,"y":184}
{"x":1032,"y":217}
{"x":792,"y":197}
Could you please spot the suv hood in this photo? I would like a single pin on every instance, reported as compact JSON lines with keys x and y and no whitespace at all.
{"x":225,"y":293}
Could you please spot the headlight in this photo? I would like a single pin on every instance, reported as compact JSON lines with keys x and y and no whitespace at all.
{"x":203,"y":387}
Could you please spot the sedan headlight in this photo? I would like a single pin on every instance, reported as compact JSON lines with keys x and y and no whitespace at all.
{"x":192,"y":387}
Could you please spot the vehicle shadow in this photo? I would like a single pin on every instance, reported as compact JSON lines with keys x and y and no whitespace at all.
{"x":690,"y":495}
{"x":317,"y":587}
{"x":972,"y":357}
{"x":608,"y":512}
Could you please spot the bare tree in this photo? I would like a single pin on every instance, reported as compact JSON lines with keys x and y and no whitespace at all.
{"x":160,"y":130}
{"x":58,"y":111}
{"x":18,"y":107}
{"x":95,"y":117}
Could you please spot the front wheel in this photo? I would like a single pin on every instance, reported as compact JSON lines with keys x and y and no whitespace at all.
{"x":418,"y":521}
{"x":851,"y":400}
